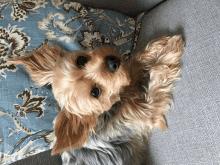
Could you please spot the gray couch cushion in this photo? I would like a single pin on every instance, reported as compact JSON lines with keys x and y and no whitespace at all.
{"x":193,"y":135}
{"x":129,"y":7}
{"x":43,"y":158}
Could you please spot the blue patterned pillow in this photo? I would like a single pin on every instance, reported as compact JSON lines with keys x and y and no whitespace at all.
{"x":27,"y":111}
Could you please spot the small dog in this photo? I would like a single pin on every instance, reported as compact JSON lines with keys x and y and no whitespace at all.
{"x":109,"y":107}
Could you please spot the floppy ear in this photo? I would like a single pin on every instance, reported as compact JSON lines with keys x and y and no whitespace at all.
{"x":162,"y":60}
{"x":71,"y":130}
{"x":159,"y":64}
{"x":40,"y":64}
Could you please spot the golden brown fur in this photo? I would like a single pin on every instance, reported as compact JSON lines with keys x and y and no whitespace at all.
{"x":161,"y":60}
{"x":142,"y":88}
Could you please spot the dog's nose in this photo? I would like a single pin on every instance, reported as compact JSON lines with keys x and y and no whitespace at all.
{"x":113,"y":63}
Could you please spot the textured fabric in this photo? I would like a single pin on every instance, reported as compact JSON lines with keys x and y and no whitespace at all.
{"x":43,"y":158}
{"x":128,"y":7}
{"x":193,"y":135}
{"x":27,"y":111}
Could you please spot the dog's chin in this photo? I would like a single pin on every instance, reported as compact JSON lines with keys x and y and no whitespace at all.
{"x":110,"y":112}
{"x":115,"y":103}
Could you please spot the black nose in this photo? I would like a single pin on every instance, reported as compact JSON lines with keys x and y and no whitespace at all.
{"x":81,"y":61}
{"x":112,"y":63}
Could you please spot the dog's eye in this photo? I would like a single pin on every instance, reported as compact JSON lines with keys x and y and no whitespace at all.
{"x":81,"y":61}
{"x":96,"y":92}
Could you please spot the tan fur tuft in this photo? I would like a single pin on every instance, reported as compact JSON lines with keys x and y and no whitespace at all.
{"x":40,"y":64}
{"x":72,"y":130}
{"x":161,"y":63}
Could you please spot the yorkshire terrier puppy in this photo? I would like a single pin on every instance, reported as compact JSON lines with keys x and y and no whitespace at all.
{"x":109,"y":107}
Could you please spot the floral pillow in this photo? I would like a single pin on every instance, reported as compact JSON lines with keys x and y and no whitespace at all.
{"x":27,"y":111}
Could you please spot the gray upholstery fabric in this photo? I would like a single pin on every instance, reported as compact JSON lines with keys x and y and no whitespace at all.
{"x":129,"y":7}
{"x":43,"y":158}
{"x":193,"y":136}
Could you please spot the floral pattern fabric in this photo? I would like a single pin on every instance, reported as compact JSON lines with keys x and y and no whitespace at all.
{"x":27,"y":111}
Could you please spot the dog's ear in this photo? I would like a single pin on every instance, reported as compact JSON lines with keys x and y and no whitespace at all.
{"x":72,"y":130}
{"x":161,"y":64}
{"x":40,"y":63}
{"x":162,"y":58}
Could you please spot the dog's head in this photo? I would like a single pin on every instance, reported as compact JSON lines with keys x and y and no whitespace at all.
{"x":85,"y":84}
